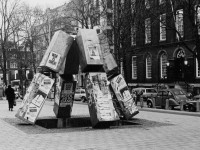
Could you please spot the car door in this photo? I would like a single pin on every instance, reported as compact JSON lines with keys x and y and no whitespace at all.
{"x":158,"y":99}
{"x":164,"y":97}
{"x":170,"y":96}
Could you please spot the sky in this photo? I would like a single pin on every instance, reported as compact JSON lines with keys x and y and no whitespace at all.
{"x":45,"y":3}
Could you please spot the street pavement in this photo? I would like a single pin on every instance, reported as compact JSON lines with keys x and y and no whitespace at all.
{"x":161,"y":131}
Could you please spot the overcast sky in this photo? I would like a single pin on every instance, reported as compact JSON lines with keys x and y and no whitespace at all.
{"x":45,"y":3}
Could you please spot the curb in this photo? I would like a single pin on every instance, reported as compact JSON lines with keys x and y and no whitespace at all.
{"x":177,"y":112}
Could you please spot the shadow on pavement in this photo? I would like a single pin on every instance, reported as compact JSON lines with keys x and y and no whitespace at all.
{"x":83,"y":124}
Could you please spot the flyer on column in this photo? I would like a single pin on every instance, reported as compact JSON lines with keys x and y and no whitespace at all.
{"x":34,"y":98}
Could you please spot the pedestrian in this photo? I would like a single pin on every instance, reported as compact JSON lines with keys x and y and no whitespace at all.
{"x":10,"y":96}
{"x":134,"y":95}
{"x":138,"y":96}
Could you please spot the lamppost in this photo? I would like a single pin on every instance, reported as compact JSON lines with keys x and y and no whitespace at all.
{"x":168,"y":71}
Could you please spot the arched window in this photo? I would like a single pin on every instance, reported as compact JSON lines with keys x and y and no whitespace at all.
{"x":148,"y":66}
{"x":163,"y":66}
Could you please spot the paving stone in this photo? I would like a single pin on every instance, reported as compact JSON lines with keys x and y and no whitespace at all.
{"x":159,"y":131}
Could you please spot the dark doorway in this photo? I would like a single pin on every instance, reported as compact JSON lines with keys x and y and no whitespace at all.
{"x":179,"y":72}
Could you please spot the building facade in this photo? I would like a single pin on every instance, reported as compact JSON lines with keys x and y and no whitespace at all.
{"x":18,"y":65}
{"x":161,"y":51}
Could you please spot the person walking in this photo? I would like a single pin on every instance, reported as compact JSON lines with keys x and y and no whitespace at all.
{"x":138,"y":96}
{"x":10,"y":96}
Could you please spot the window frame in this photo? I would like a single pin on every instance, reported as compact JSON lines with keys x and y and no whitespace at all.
{"x":148,"y":67}
{"x":147,"y":30}
{"x":134,"y":67}
{"x":13,"y":65}
{"x":163,"y":27}
{"x":133,"y":35}
{"x":179,"y":27}
{"x":162,"y":68}
{"x":197,"y":70}
{"x":122,"y":68}
{"x":197,"y":17}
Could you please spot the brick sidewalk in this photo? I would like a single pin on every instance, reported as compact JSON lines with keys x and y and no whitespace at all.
{"x":183,"y":133}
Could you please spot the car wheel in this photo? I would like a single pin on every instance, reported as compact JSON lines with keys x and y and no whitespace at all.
{"x":192,"y":108}
{"x":184,"y":107}
{"x":150,"y":105}
{"x":170,"y":107}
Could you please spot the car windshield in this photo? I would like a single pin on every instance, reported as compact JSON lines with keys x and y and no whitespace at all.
{"x":151,"y":91}
{"x":178,"y":92}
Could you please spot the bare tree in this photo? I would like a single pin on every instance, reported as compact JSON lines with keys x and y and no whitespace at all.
{"x":124,"y":24}
{"x":7,"y":10}
{"x":86,"y":12}
{"x":32,"y":17}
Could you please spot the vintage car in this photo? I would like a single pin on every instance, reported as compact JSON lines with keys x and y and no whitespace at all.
{"x":192,"y":105}
{"x":147,"y":92}
{"x":80,"y":95}
{"x":175,"y":96}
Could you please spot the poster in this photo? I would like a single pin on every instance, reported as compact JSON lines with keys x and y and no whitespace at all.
{"x":124,"y":97}
{"x":53,"y":60}
{"x":99,"y":99}
{"x":57,"y":51}
{"x":90,"y":55}
{"x":93,"y":51}
{"x":34,"y":98}
{"x":67,"y":94}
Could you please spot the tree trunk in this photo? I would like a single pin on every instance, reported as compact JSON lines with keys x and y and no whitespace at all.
{"x":4,"y":69}
{"x":32,"y":56}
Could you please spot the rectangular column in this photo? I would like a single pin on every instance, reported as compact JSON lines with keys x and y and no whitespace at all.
{"x":124,"y":100}
{"x":64,"y":97}
{"x":102,"y":111}
{"x":34,"y":98}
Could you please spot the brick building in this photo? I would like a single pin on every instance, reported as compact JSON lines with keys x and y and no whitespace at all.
{"x":157,"y":55}
{"x":18,"y":65}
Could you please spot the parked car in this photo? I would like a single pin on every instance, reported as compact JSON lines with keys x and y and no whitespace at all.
{"x":192,"y":105}
{"x":80,"y":95}
{"x":18,"y":95}
{"x":147,"y":92}
{"x":175,"y":97}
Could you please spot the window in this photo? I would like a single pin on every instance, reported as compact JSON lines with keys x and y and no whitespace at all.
{"x":122,"y":68}
{"x":148,"y":67}
{"x":179,"y":22}
{"x":134,"y":67}
{"x":197,"y":69}
{"x":151,"y":91}
{"x":162,"y":27}
{"x":147,"y":30}
{"x":147,"y":4}
{"x":133,"y":35}
{"x":197,"y":17}
{"x":163,"y":66}
{"x":161,"y":1}
{"x":13,"y":65}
